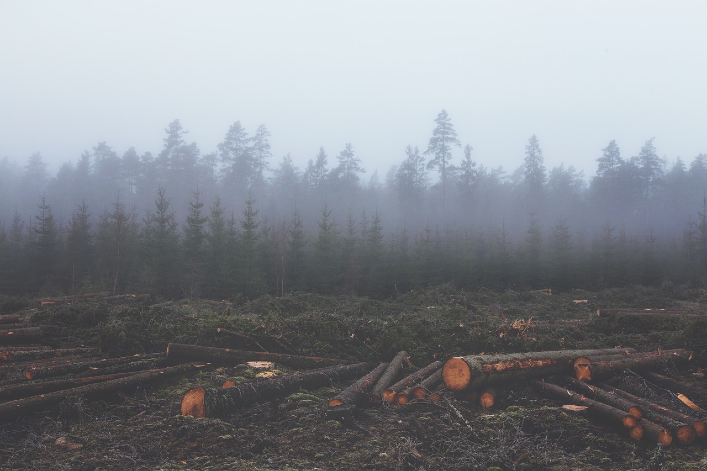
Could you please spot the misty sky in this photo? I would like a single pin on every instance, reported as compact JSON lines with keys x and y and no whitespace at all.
{"x":373,"y":73}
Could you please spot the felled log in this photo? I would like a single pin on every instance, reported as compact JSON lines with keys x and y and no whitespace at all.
{"x":427,"y":385}
{"x":581,"y":364}
{"x":180,"y":352}
{"x":606,"y":412}
{"x":127,"y":298}
{"x":605,"y":369}
{"x":359,"y":392}
{"x":480,"y":370}
{"x":679,"y":420}
{"x":643,"y":312}
{"x":20,"y":335}
{"x":216,"y":402}
{"x":390,"y":374}
{"x":595,"y":392}
{"x":18,"y":407}
{"x":25,"y":389}
{"x":557,"y":323}
{"x":390,"y":393}
{"x":679,"y":386}
{"x":70,"y":299}
{"x":37,"y":372}
{"x":10,"y":319}
{"x":23,"y":355}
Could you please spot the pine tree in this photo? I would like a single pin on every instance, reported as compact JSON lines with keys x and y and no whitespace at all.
{"x":45,"y":246}
{"x":195,"y":246}
{"x":325,"y":269}
{"x":161,"y":246}
{"x":217,"y":263}
{"x":80,"y":247}
{"x":534,"y":173}
{"x":296,"y":255}
{"x":250,"y":236}
{"x":443,"y":137}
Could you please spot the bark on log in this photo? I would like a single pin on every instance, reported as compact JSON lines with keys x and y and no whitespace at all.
{"x":20,"y":335}
{"x":595,"y":392}
{"x":605,"y":369}
{"x":678,"y":417}
{"x":226,"y":356}
{"x":359,"y":392}
{"x":679,"y":386}
{"x":18,"y":407}
{"x":10,"y":319}
{"x":389,"y":376}
{"x":216,"y":402}
{"x":480,"y":370}
{"x":581,"y":365}
{"x":389,"y":394}
{"x":39,"y":354}
{"x":427,"y":385}
{"x":644,"y":312}
{"x":37,"y":372}
{"x":606,"y":412}
{"x":17,"y":391}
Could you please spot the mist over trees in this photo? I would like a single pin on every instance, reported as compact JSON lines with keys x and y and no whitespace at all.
{"x":240,"y":221}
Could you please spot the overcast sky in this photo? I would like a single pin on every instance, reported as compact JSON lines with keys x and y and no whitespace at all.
{"x":373,"y":73}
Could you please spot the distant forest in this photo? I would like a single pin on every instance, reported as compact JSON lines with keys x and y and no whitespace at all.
{"x":236,"y":223}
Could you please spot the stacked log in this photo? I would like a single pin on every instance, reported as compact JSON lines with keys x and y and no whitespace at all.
{"x":390,"y":374}
{"x":359,"y":392}
{"x":679,"y":386}
{"x":603,"y":369}
{"x":392,"y":394}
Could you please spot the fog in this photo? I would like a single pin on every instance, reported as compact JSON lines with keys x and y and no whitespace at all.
{"x":374,"y":74}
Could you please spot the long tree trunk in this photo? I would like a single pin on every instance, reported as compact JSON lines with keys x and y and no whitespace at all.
{"x":37,"y":372}
{"x":632,"y":407}
{"x":181,"y":352}
{"x":679,"y":386}
{"x":480,"y":370}
{"x":39,"y":354}
{"x":217,"y":402}
{"x":605,"y":369}
{"x":360,"y":391}
{"x":18,"y":407}
{"x":25,"y":389}
{"x":427,"y":385}
{"x":582,"y":364}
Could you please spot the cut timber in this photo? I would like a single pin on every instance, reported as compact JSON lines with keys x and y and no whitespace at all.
{"x":24,"y":355}
{"x":632,"y":407}
{"x":390,"y":374}
{"x":70,"y":299}
{"x":684,"y":427}
{"x":605,"y":369}
{"x":18,"y":407}
{"x":10,"y":319}
{"x":390,"y":392}
{"x":17,"y":391}
{"x":37,"y":372}
{"x":180,"y":352}
{"x":127,"y":298}
{"x":427,"y":385}
{"x":215,"y":402}
{"x":581,"y":365}
{"x":21,"y":335}
{"x":480,"y":370}
{"x":679,"y":386}
{"x":645,"y":312}
{"x":359,"y":392}
{"x":487,"y":398}
{"x":606,"y":412}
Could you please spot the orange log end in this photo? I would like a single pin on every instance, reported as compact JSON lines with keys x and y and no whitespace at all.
{"x":229,"y":383}
{"x":388,"y":396}
{"x":193,"y":402}
{"x":700,"y":428}
{"x":635,"y":411}
{"x":401,"y":399}
{"x":636,"y":432}
{"x":686,"y":434}
{"x":487,"y":399}
{"x":336,"y":402}
{"x":629,"y":421}
{"x":456,"y":374}
{"x":665,"y":438}
{"x":581,"y":369}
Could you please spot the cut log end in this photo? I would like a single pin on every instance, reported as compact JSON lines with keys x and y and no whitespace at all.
{"x":193,"y":402}
{"x":28,"y":375}
{"x":388,"y":396}
{"x":336,"y":402}
{"x":401,"y":399}
{"x":636,"y":432}
{"x":581,"y":369}
{"x":229,"y":383}
{"x":686,"y":434}
{"x":700,"y":428}
{"x":487,"y":399}
{"x":635,"y":411}
{"x":629,"y":421}
{"x":665,"y":438}
{"x":456,"y":374}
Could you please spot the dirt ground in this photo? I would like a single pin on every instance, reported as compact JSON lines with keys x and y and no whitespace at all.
{"x":143,"y":428}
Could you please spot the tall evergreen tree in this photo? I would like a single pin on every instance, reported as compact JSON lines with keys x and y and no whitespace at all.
{"x":79,"y":247}
{"x":443,"y":137}
{"x":534,"y":172}
{"x":325,"y":268}
{"x":161,"y":246}
{"x":195,"y":246}
{"x":296,"y":255}
{"x":45,"y":246}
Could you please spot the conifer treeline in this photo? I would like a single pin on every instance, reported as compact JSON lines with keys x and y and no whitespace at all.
{"x":223,"y":224}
